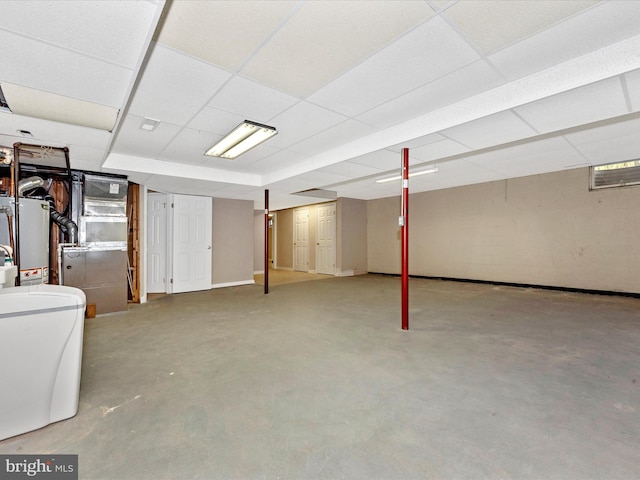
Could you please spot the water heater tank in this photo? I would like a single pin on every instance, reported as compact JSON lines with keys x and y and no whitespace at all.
{"x":34,"y":238}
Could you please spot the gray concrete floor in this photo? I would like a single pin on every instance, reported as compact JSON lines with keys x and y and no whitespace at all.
{"x":317,"y":381}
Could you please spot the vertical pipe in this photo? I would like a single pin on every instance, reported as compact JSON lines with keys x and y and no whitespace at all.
{"x":405,"y":239}
{"x":16,"y":213}
{"x":266,"y":242}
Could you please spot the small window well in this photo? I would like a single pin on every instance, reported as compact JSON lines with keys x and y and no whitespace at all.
{"x":619,"y":174}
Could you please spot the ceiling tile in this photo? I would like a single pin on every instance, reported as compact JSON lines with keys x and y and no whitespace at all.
{"x":324,"y":39}
{"x":437,"y":150}
{"x":530,"y":158}
{"x":36,"y":103}
{"x":302,"y":121}
{"x":273,"y":163}
{"x":252,"y":100}
{"x":610,"y":143}
{"x":587,"y":104}
{"x":174,"y":87}
{"x":495,"y":129}
{"x":430,"y":51}
{"x":633,"y":87}
{"x":215,"y":121}
{"x":224,"y":32}
{"x":342,"y":133}
{"x":495,"y":24}
{"x":132,"y":140}
{"x":50,"y":133}
{"x":350,"y":170}
{"x":61,"y":71}
{"x":188,"y":147}
{"x":115,"y":31}
{"x":445,"y":90}
{"x":381,"y":160}
{"x":605,"y":24}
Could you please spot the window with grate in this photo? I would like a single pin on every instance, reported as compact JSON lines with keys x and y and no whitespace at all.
{"x":619,"y":174}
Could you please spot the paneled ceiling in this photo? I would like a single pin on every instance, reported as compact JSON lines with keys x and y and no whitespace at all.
{"x":485,"y":90}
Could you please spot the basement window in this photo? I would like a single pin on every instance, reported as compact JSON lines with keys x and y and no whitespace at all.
{"x":619,"y":174}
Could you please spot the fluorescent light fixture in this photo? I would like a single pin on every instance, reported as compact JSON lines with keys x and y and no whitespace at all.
{"x":415,"y":173}
{"x":149,"y":124}
{"x":241,"y":139}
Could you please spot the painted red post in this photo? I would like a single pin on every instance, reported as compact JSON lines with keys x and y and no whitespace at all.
{"x":266,"y":242}
{"x":405,"y":239}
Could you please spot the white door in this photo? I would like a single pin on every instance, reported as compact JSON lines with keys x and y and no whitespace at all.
{"x":301,"y":239}
{"x":191,"y":243}
{"x":326,"y":239}
{"x":156,"y":243}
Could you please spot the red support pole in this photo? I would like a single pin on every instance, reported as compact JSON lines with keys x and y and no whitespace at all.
{"x":266,"y":242}
{"x":404,"y":219}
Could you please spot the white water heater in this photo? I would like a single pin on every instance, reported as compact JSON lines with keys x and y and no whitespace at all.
{"x":34,"y":238}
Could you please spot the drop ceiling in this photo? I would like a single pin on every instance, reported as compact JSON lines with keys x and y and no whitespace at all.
{"x":486,"y":90}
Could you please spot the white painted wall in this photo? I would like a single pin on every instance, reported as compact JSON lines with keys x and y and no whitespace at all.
{"x":543,"y":230}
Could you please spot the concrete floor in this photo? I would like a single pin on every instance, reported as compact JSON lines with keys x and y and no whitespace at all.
{"x":317,"y":381}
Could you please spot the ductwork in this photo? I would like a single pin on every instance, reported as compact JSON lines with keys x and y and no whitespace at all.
{"x":28,"y":184}
{"x":66,"y":225}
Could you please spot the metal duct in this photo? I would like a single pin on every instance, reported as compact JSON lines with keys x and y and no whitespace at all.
{"x":66,"y":225}
{"x":27,"y":184}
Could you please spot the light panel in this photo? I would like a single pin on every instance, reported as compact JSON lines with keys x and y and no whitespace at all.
{"x":241,"y":139}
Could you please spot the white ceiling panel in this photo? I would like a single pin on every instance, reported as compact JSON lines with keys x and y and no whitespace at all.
{"x":50,"y":133}
{"x":529,"y":159}
{"x":495,"y":24}
{"x":252,"y":100}
{"x":445,"y":90}
{"x":436,"y":150}
{"x":605,"y":24}
{"x":430,"y":51}
{"x":380,"y":160}
{"x":111,"y":30}
{"x":60,"y":71}
{"x":455,"y":173}
{"x":216,"y":121}
{"x":275,"y":162}
{"x":302,"y":121}
{"x":188,"y":147}
{"x":132,"y":140}
{"x":417,"y":142}
{"x":85,"y":158}
{"x":495,"y":129}
{"x":338,"y":135}
{"x":174,"y":87}
{"x":588,"y":104}
{"x":633,"y":86}
{"x":610,"y":143}
{"x":186,"y":186}
{"x":350,"y":170}
{"x":322,"y":40}
{"x":200,"y":27}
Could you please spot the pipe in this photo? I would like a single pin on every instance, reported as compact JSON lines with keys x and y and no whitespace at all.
{"x":16,"y":199}
{"x":66,"y":225}
{"x":8,"y":211}
{"x":266,"y":242}
{"x":27,"y":184}
{"x":405,"y":239}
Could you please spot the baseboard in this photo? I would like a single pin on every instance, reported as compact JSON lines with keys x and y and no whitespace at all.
{"x":258,"y":272}
{"x":345,"y":273}
{"x":288,"y":269}
{"x":312,"y":271}
{"x":520,"y":285}
{"x":233,"y":284}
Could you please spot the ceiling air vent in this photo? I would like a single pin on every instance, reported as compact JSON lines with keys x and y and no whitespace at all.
{"x":620,"y":174}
